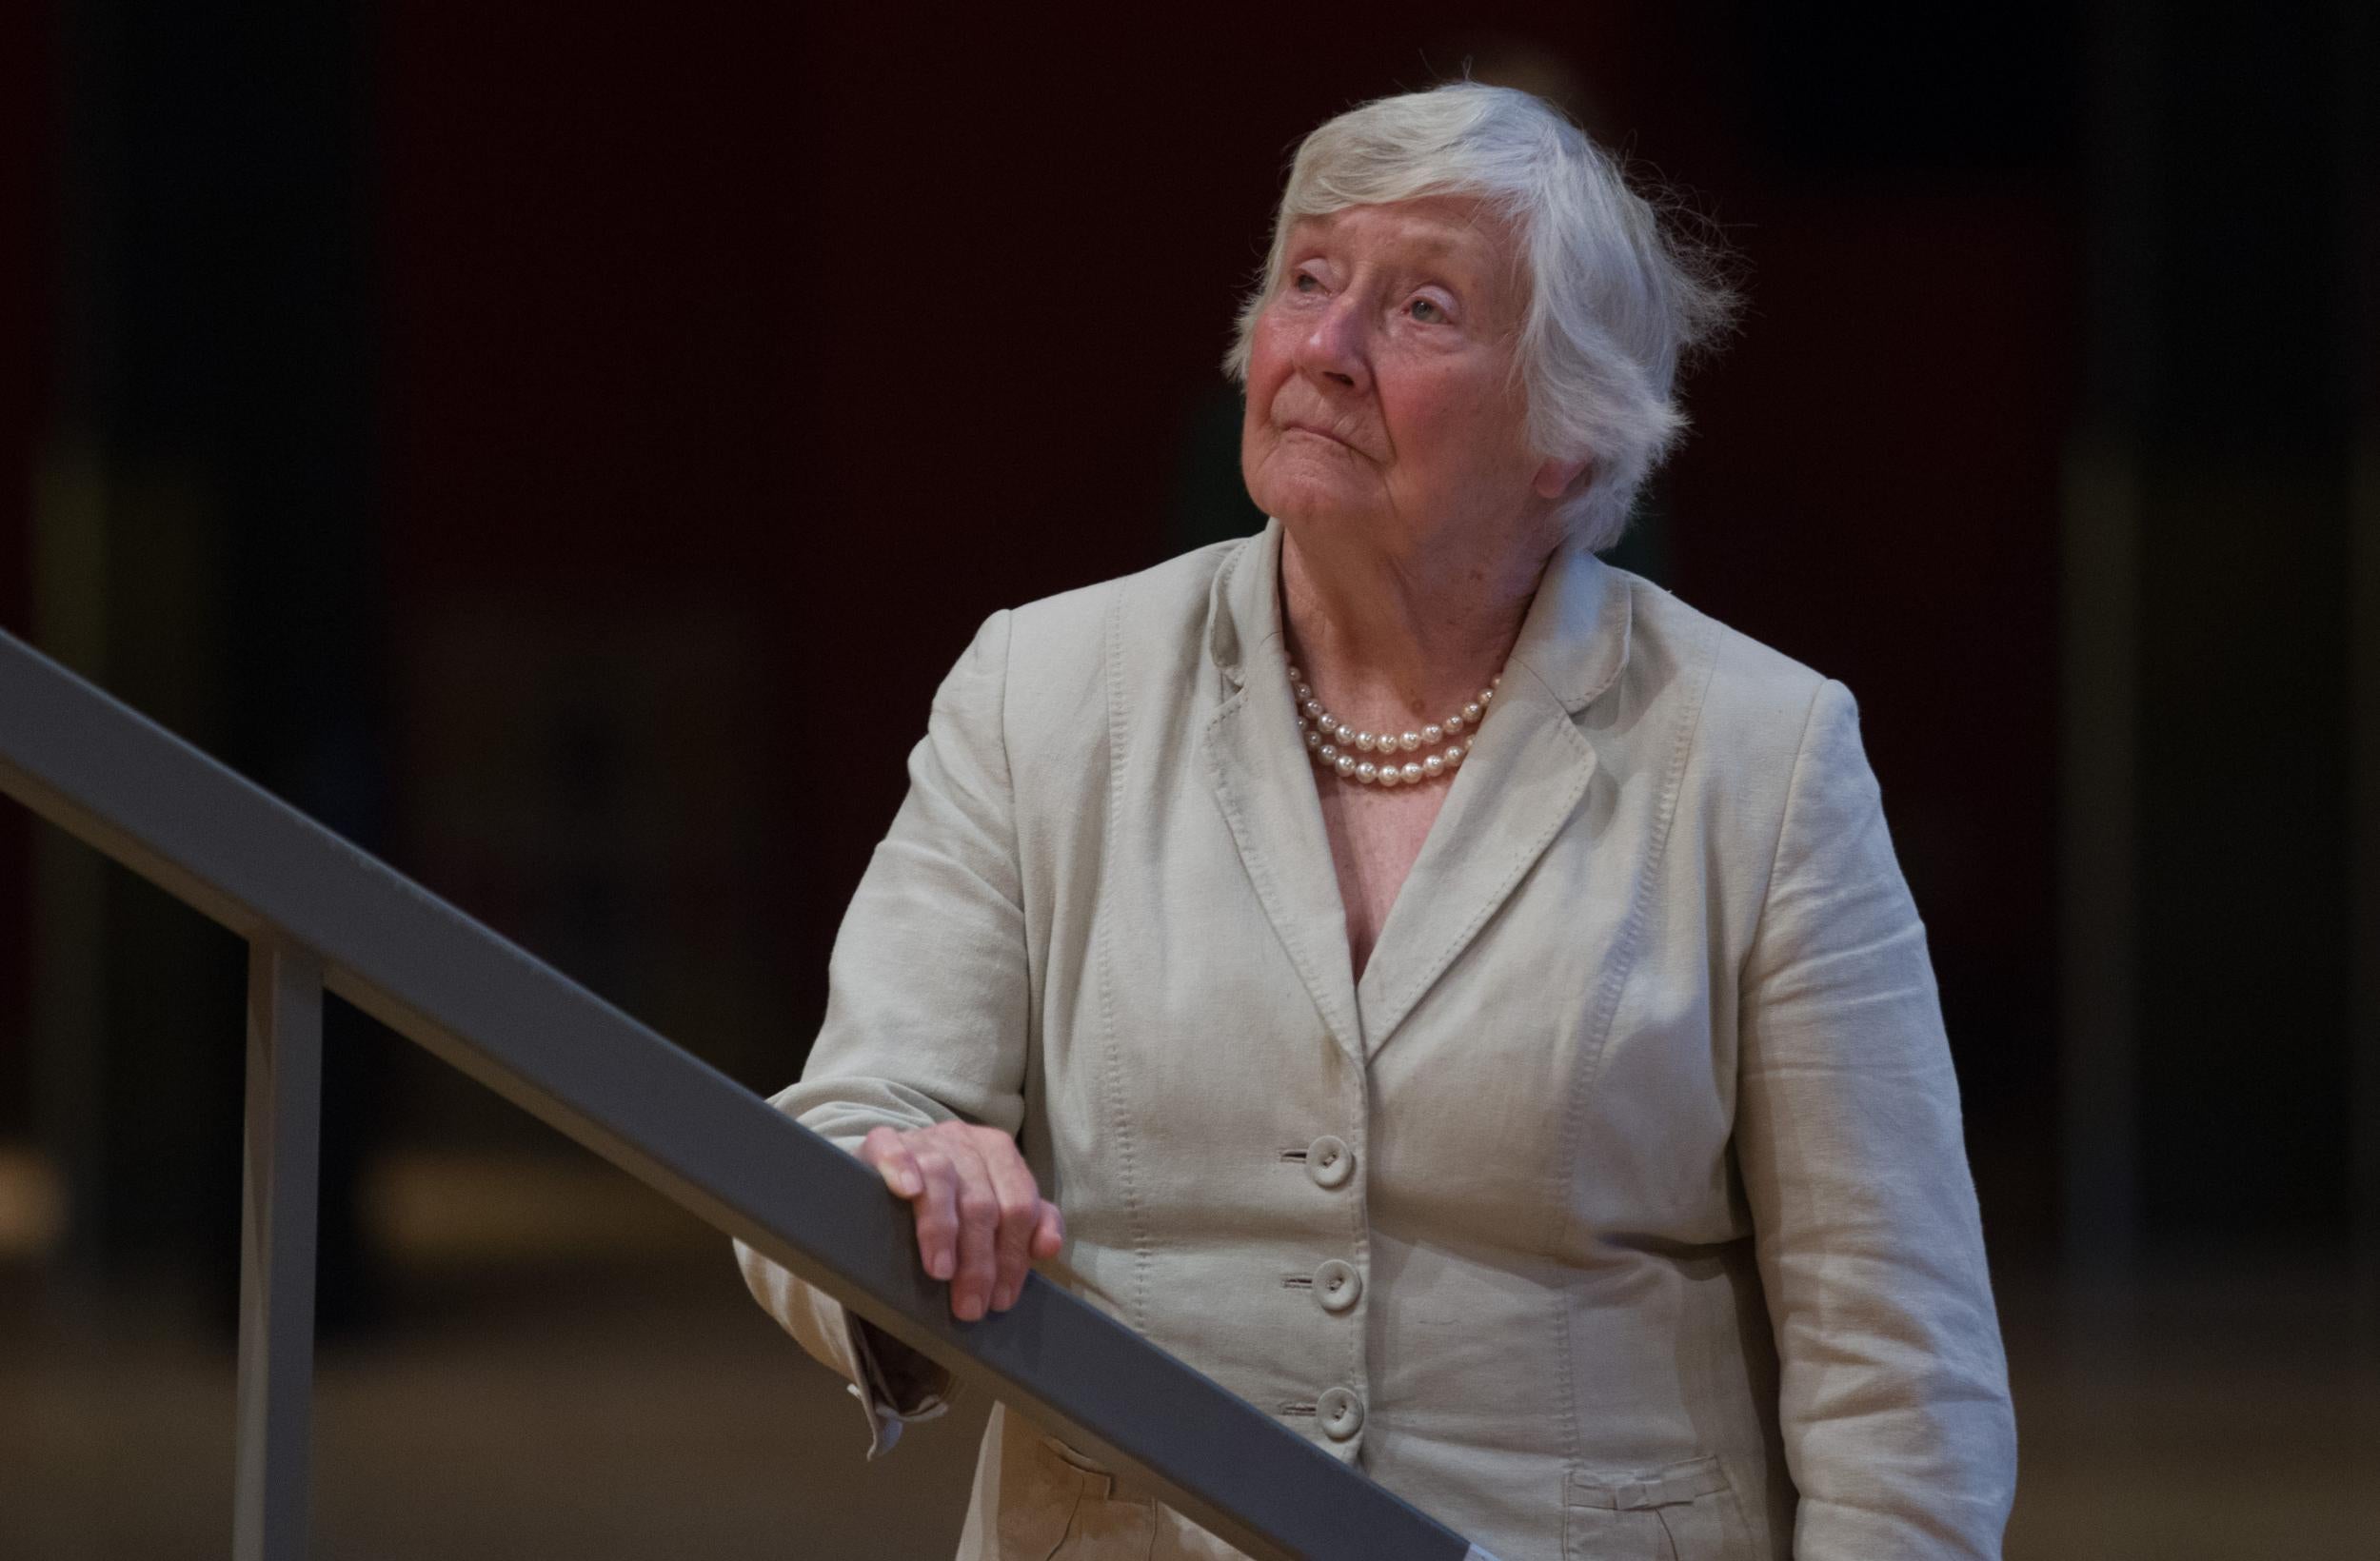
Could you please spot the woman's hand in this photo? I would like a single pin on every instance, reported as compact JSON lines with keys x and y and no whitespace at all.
{"x":982,"y":1220}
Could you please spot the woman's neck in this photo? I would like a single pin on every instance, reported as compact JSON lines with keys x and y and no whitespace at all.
{"x":1398,"y":643}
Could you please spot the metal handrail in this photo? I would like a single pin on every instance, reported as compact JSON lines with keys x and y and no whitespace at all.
{"x":320,"y":913}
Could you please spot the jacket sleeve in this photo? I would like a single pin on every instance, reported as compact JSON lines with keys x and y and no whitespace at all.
{"x":1893,"y":1389}
{"x":927,"y":1005}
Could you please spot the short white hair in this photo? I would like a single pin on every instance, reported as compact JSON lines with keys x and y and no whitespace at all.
{"x":1615,"y":298}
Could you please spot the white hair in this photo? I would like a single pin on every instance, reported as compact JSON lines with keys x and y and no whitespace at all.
{"x":1614,"y":300}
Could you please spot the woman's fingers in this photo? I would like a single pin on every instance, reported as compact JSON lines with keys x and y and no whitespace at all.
{"x":1049,"y":1232}
{"x":888,"y":1151}
{"x":1020,"y":1216}
{"x":938,"y":1212}
{"x":981,"y":1218}
{"x":977,"y":1280}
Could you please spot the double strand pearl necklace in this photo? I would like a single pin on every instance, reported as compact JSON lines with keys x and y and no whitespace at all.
{"x":1334,"y":744}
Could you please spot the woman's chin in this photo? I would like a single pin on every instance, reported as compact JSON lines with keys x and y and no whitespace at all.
{"x":1308,"y":501}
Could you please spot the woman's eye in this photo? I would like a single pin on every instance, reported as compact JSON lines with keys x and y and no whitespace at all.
{"x":1428,"y":312}
{"x":1304,"y":282}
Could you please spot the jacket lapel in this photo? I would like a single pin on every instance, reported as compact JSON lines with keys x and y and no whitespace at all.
{"x":1264,"y":784}
{"x":1524,"y":780}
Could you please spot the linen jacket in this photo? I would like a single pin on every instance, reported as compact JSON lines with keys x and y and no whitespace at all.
{"x":1620,"y":1211}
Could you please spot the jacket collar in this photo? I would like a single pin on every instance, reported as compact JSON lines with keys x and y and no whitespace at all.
{"x":1531,"y":766}
{"x":1576,"y":635}
{"x":1575,"y":638}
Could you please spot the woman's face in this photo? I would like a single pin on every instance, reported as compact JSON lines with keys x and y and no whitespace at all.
{"x":1381,"y":406}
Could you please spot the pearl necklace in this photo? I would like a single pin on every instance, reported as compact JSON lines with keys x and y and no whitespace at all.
{"x":1334,"y":744}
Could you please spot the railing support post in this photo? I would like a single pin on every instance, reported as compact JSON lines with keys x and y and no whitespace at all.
{"x":245,"y":858}
{"x":277,"y":1207}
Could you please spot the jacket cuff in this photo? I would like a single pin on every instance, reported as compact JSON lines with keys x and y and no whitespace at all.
{"x":893,"y":1383}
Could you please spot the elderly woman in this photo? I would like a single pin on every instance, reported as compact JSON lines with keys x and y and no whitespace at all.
{"x":1436,"y":983}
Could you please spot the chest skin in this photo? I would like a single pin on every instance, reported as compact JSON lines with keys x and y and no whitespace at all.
{"x":1376,"y":837}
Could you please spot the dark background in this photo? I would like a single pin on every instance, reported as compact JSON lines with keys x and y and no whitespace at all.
{"x":562,"y":448}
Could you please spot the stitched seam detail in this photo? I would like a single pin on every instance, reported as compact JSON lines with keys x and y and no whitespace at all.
{"x":1607,"y":1007}
{"x":1785,"y":816}
{"x":1260,"y":872}
{"x":1136,"y":1221}
{"x":1034,"y":1007}
{"x":1522,"y":857}
{"x":1007,"y":764}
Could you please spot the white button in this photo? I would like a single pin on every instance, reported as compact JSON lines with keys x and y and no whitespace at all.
{"x":1330,"y":1162}
{"x":1341,"y":1414}
{"x":1336,"y":1285}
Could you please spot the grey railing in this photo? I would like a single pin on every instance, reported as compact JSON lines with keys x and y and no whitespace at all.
{"x":318,"y":914}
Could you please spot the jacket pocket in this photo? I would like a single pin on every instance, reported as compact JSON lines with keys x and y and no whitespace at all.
{"x":1055,"y":1505}
{"x":1686,"y":1512}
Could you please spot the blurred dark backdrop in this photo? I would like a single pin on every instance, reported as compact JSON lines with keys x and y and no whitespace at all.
{"x":563,"y":451}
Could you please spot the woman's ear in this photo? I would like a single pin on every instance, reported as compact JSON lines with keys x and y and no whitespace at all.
{"x":1559,"y":479}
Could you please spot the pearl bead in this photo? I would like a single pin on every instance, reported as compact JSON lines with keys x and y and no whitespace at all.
{"x":1412,"y":773}
{"x":1454,"y":725}
{"x":1345,"y":764}
{"x":1410,"y":741}
{"x":1434,"y":766}
{"x":1314,"y":708}
{"x":1314,"y":740}
{"x":1296,"y":675}
{"x":1329,"y":726}
{"x":1305,"y":693}
{"x":1433,"y":735}
{"x":1366,"y":742}
{"x":1367,"y":772}
{"x":1472,"y":713}
{"x":1390,"y":775}
{"x":1487,"y":697}
{"x":1327,"y":754}
{"x":1455,"y":754}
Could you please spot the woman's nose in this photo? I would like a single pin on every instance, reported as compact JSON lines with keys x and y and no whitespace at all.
{"x":1334,"y":347}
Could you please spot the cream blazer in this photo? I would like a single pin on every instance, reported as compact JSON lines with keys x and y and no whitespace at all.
{"x":1620,"y":1210}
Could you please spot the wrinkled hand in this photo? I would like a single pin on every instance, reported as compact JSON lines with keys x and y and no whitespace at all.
{"x":982,"y":1220}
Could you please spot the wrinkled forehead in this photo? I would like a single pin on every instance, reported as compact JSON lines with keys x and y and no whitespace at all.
{"x":1431,"y":224}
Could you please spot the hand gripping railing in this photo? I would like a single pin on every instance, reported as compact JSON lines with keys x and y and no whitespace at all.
{"x":320,"y":913}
